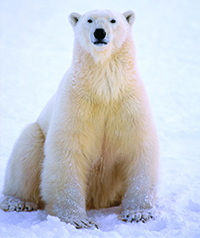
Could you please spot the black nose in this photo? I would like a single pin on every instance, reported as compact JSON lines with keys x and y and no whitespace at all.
{"x":99,"y":34}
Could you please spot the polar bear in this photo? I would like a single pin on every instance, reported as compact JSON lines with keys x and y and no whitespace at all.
{"x":94,"y":145}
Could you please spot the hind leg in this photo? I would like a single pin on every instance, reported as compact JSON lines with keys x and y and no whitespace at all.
{"x":22,"y":178}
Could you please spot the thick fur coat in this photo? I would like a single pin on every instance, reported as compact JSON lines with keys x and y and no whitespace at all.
{"x":95,"y":144}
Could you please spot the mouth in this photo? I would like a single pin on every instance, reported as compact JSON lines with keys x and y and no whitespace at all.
{"x":100,"y":43}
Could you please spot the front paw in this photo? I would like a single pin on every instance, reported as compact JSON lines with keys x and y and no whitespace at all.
{"x":139,"y":215}
{"x":83,"y":223}
{"x":80,"y":222}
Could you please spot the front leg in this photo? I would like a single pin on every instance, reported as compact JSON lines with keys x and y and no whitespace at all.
{"x":138,"y":203}
{"x":62,"y":188}
{"x":71,"y":146}
{"x":63,"y":182}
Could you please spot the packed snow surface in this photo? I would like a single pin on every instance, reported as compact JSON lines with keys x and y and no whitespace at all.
{"x":36,"y":50}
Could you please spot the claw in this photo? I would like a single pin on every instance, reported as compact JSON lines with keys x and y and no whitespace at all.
{"x":76,"y":225}
{"x":86,"y":225}
{"x":96,"y":226}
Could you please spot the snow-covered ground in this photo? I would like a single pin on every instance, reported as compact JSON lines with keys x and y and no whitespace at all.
{"x":36,"y":49}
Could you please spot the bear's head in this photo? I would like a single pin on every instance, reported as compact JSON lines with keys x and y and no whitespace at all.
{"x":101,"y":33}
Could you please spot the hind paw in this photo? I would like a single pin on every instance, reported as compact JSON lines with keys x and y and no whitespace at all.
{"x":11,"y":204}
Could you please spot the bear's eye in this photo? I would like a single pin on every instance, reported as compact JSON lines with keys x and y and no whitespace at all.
{"x":89,"y":21}
{"x":112,"y":21}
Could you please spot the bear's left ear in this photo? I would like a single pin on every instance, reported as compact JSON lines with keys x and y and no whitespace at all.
{"x":73,"y":18}
{"x":130,"y":16}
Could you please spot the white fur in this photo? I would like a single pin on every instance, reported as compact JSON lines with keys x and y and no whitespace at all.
{"x":97,"y":132}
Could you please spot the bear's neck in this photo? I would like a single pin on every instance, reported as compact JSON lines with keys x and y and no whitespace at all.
{"x":108,"y":79}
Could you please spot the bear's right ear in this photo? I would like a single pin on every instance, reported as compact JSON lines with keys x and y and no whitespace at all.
{"x":73,"y":18}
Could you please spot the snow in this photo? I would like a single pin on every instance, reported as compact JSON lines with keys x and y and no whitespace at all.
{"x":36,"y":50}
